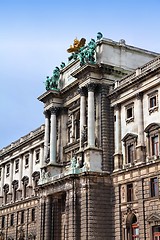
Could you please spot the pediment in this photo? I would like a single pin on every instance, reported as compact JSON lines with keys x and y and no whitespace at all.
{"x":154,"y":217}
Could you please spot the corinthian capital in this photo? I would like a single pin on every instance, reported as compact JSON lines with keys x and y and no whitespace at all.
{"x":91,"y":87}
{"x":54,"y":110}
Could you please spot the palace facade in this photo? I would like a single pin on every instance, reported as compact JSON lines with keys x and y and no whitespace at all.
{"x":91,"y":171}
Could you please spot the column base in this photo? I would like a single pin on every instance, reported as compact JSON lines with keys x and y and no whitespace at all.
{"x":118,"y":161}
{"x":140,"y":154}
{"x":93,"y":159}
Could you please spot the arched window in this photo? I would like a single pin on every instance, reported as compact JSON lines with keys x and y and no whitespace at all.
{"x":153,"y":138}
{"x":132,"y":227}
{"x":25,"y":181}
{"x":6,"y":190}
{"x":15,"y":187}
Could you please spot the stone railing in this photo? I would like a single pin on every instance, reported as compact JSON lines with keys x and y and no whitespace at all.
{"x":153,"y":63}
{"x":30,"y":135}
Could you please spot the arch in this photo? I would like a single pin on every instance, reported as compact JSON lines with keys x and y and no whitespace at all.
{"x":152,"y":126}
{"x":129,"y":136}
{"x":131,"y":219}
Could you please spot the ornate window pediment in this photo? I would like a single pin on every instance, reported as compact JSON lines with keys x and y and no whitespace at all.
{"x":25,"y":180}
{"x":36,"y":175}
{"x":152,"y":127}
{"x":15,"y":184}
{"x":6,"y":188}
{"x":154,"y":217}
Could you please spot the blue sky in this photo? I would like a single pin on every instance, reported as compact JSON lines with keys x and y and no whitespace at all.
{"x":34,"y":36}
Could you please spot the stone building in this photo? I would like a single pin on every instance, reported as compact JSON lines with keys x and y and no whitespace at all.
{"x":91,"y":171}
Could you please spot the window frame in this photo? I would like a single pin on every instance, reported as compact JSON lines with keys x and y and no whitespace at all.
{"x":153,"y":96}
{"x":129,"y":107}
{"x":16,"y":162}
{"x":130,"y":192}
{"x":26,"y":157}
{"x":154,"y":187}
{"x":8,"y":165}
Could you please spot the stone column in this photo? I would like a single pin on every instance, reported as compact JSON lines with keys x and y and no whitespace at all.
{"x":2,"y":180}
{"x":82,"y":114}
{"x":117,"y":137}
{"x":30,"y":167}
{"x":20,"y":172}
{"x":91,"y":115}
{"x":140,"y":123}
{"x":11,"y":176}
{"x":48,"y":218}
{"x":46,"y":136}
{"x":53,"y":136}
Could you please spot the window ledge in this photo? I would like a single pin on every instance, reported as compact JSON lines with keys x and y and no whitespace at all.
{"x":153,"y":109}
{"x":128,"y":120}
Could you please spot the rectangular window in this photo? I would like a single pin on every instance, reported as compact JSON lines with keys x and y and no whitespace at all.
{"x":12,"y":219}
{"x":33,"y":215}
{"x":153,"y":101}
{"x":129,"y":192}
{"x":154,"y":187}
{"x":3,"y":221}
{"x":156,"y":232}
{"x":22,"y":217}
{"x":7,"y":170}
{"x":17,"y":165}
{"x":155,"y":145}
{"x":129,"y":113}
{"x":37,"y":156}
{"x":135,"y":232}
{"x":130,"y":153}
{"x":26,"y":161}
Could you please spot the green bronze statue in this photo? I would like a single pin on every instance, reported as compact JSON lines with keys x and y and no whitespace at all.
{"x":52,"y":83}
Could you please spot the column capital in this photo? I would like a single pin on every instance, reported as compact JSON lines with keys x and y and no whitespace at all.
{"x":139,"y":95}
{"x":54,"y":110}
{"x":46,"y":113}
{"x":117,"y":107}
{"x":91,"y":87}
{"x":82,"y":91}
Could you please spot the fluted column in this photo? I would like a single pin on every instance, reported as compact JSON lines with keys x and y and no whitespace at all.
{"x":46,"y":136}
{"x":91,"y":115}
{"x":30,"y":167}
{"x":53,"y":136}
{"x":82,"y":113}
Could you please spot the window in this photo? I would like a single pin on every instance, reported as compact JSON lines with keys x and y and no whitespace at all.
{"x":153,"y":102}
{"x":130,"y":142}
{"x":129,"y":113}
{"x":17,"y":165}
{"x":155,"y":145}
{"x":26,"y":161}
{"x":3,"y":221}
{"x":37,"y":156}
{"x":130,"y":152}
{"x":22,"y":217}
{"x":33,"y":215}
{"x":132,"y":227}
{"x":154,"y":187}
{"x":129,"y":192}
{"x":152,"y":131}
{"x":135,"y":232}
{"x":156,"y":232}
{"x":7,"y":170}
{"x":12,"y":220}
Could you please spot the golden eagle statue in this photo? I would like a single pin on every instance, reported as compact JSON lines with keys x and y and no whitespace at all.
{"x":76,"y":45}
